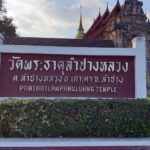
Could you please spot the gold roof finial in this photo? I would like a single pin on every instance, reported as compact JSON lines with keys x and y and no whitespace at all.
{"x":80,"y":33}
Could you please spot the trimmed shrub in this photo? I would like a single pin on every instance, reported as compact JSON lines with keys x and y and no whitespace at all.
{"x":75,"y":118}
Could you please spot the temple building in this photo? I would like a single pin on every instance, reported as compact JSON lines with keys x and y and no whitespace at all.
{"x":121,"y":25}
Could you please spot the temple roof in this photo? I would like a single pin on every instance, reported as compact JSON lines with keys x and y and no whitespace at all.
{"x":100,"y":23}
{"x":58,"y":42}
{"x":91,"y":29}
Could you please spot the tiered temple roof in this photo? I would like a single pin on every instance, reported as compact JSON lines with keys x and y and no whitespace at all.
{"x":99,"y":25}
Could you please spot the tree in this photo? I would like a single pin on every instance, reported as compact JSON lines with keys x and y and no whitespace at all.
{"x":7,"y":28}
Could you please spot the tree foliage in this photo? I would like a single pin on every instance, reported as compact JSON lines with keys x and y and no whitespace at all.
{"x":7,"y":28}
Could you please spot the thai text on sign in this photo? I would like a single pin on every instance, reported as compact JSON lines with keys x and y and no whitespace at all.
{"x":17,"y":63}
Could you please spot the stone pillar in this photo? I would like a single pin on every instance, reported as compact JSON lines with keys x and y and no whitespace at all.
{"x":139,"y":45}
{"x":139,"y":42}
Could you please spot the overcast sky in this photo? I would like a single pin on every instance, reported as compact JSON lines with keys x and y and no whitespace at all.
{"x":56,"y":18}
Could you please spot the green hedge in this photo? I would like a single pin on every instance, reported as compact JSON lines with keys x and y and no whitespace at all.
{"x":75,"y":118}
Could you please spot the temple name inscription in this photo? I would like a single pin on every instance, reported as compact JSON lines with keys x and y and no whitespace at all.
{"x":64,"y":76}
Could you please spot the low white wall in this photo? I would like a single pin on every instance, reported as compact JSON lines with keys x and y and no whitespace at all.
{"x":138,"y":51}
{"x":78,"y":142}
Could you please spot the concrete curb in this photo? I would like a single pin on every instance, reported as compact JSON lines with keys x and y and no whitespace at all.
{"x":77,"y":142}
